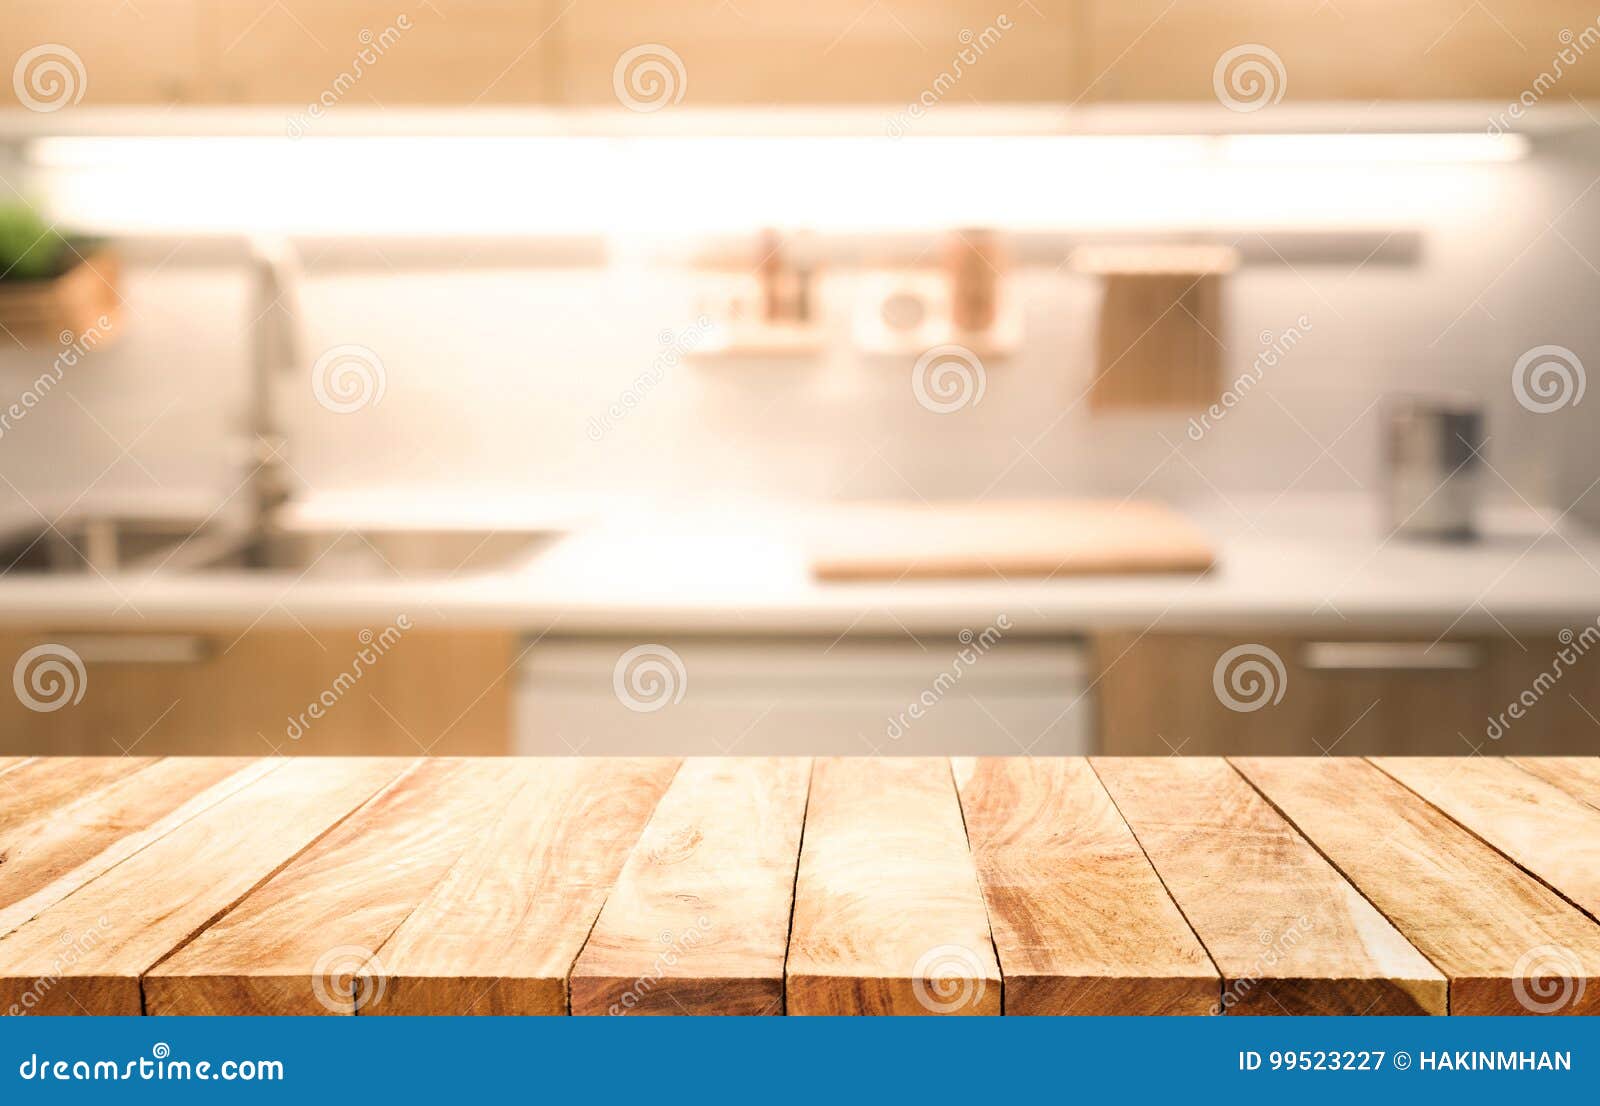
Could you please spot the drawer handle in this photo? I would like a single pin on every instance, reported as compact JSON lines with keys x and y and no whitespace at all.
{"x":169,"y":649}
{"x":1391,"y":656}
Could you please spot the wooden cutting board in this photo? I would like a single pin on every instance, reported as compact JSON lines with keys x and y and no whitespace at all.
{"x":1007,"y":539}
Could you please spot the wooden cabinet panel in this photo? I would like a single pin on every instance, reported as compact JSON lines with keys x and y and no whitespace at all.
{"x":1361,"y":50}
{"x":262,"y":691}
{"x":1166,"y":693}
{"x":894,"y":52}
{"x":368,"y":54}
{"x":98,"y":54}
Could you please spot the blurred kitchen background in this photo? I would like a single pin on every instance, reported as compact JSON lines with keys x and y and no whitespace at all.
{"x":883,"y":377}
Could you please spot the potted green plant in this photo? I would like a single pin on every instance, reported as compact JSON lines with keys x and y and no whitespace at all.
{"x":54,"y":285}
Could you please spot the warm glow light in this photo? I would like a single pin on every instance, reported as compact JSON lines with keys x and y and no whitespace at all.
{"x":685,"y":184}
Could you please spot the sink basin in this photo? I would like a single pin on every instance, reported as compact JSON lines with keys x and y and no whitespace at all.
{"x":101,"y":543}
{"x":371,"y":554}
{"x":108,"y":545}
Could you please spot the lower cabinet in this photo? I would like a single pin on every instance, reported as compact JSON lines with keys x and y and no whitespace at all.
{"x":258,"y":691}
{"x":1244,"y":693}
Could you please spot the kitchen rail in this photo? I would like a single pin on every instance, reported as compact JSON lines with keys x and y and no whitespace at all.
{"x":778,"y":885}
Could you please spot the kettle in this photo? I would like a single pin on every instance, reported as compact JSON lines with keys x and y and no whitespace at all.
{"x":1433,"y":467}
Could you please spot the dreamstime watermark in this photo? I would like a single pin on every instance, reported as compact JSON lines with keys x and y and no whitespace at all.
{"x":49,"y":677}
{"x":649,"y":77}
{"x":347,"y":978}
{"x":49,"y":77}
{"x":1574,"y":647}
{"x":649,"y":677}
{"x":673,"y":948}
{"x":972,"y":48}
{"x":1275,"y":951}
{"x":1277,"y":346}
{"x":74,"y":946}
{"x":1249,"y":677}
{"x":973,"y":648}
{"x":347,"y":378}
{"x":158,"y":1067}
{"x":75,"y":348}
{"x":1548,"y":378}
{"x":1548,"y":978}
{"x":948,"y":979}
{"x":373,"y":649}
{"x":1573,"y":48}
{"x":948,"y":378}
{"x":372,"y":48}
{"x":1249,"y":77}
{"x":675,"y":346}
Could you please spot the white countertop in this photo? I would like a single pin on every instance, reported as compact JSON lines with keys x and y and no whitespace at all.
{"x":1311,"y":564}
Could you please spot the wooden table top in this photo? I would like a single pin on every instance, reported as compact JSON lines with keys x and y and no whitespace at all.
{"x":765,"y":886}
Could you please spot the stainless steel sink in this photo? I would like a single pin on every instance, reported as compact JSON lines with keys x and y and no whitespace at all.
{"x":110,"y":545}
{"x":371,"y":554}
{"x":102,"y":543}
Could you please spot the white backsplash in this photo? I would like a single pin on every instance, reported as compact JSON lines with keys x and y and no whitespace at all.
{"x":494,"y":375}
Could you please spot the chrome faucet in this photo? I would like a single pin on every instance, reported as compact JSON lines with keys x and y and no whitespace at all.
{"x":275,"y":349}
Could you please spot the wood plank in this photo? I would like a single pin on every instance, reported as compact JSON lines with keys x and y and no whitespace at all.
{"x":1052,"y":537}
{"x":698,"y":922}
{"x":48,"y":859}
{"x":1081,"y":922}
{"x":296,"y":945}
{"x":8,"y":763}
{"x":87,"y":953}
{"x":1288,"y":933}
{"x":42,"y":785}
{"x":500,"y":933}
{"x":1507,"y":943}
{"x":1545,"y":830}
{"x":1577,"y":776}
{"x":888,"y":915}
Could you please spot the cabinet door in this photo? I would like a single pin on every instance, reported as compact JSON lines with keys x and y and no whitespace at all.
{"x":1244,"y":693}
{"x":1361,"y":50}
{"x":365,"y":54}
{"x":257,"y":692}
{"x":894,"y":53}
{"x":59,"y":53}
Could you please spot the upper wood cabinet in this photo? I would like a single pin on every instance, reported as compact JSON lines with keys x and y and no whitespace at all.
{"x":893,"y":52}
{"x":61,"y":53}
{"x":712,"y":53}
{"x":1362,"y":50}
{"x":374,"y":54}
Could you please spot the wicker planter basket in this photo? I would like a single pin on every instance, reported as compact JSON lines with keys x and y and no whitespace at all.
{"x":42,"y":312}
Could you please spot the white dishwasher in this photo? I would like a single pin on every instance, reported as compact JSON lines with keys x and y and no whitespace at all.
{"x":753,"y":696}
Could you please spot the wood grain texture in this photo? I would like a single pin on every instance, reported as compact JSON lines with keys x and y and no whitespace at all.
{"x":1545,"y":830}
{"x":44,"y":861}
{"x":1289,"y":934}
{"x":1507,"y":943}
{"x":297,"y":944}
{"x":40,"y":786}
{"x":1395,"y":711}
{"x":438,"y":691}
{"x":698,"y":922}
{"x":1577,"y":776}
{"x":1081,"y":922}
{"x":1159,"y":341}
{"x":87,"y":953}
{"x":1007,"y":539}
{"x":500,"y":933}
{"x":888,"y":915}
